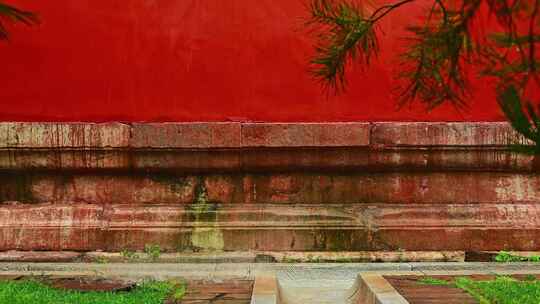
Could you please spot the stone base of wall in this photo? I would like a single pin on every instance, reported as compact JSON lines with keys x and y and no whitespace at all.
{"x":203,"y":187}
{"x":254,"y":256}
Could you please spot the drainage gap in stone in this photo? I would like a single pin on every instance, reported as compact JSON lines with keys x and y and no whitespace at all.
{"x":317,"y":287}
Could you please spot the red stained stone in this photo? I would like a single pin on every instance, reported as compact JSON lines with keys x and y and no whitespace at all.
{"x":350,"y":186}
{"x":63,"y":135}
{"x":443,"y":134}
{"x":198,"y":147}
{"x":186,"y":135}
{"x":268,"y":227}
{"x":309,"y":188}
{"x":222,"y":189}
{"x":305,"y":135}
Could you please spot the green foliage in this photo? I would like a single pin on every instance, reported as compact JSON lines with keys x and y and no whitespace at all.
{"x":502,"y":290}
{"x":442,"y":48}
{"x":287,"y":259}
{"x":10,"y":13}
{"x":524,"y":119}
{"x":507,"y":257}
{"x":24,"y":292}
{"x":350,"y":36}
{"x":439,"y":51}
{"x":433,"y":281}
{"x":529,"y":277}
{"x":179,"y":289}
{"x":129,"y":255}
{"x":467,"y":285}
{"x":153,"y":251}
{"x":102,"y":260}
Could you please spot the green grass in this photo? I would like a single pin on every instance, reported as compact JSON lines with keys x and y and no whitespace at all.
{"x":29,"y":291}
{"x":153,"y":251}
{"x":129,"y":255}
{"x":501,"y":290}
{"x":507,"y":257}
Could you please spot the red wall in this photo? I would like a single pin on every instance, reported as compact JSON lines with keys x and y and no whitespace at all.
{"x":191,"y":60}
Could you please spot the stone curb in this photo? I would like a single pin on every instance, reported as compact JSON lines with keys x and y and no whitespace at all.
{"x":233,"y":257}
{"x":265,"y":290}
{"x":252,"y":270}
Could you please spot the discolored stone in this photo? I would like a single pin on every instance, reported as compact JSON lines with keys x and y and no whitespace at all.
{"x":305,"y":134}
{"x":267,"y":186}
{"x":445,"y":134}
{"x":352,"y":227}
{"x":185,"y":135}
{"x":63,"y":135}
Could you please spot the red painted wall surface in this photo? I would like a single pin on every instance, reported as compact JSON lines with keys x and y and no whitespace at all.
{"x":193,"y":60}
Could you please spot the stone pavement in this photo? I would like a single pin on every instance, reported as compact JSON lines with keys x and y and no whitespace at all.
{"x":347,"y":283}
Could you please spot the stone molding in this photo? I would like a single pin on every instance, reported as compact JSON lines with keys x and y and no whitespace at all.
{"x":207,"y":147}
{"x":235,"y":135}
{"x":352,"y":227}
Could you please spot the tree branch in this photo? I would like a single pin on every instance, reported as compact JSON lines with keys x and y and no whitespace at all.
{"x":14,"y":14}
{"x":387,"y":9}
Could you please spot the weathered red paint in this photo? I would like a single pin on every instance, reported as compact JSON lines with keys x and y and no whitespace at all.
{"x":193,"y":60}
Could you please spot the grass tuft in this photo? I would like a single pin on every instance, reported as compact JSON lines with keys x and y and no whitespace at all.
{"x":433,"y":281}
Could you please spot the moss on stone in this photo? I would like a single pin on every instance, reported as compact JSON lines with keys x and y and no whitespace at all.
{"x":205,"y":236}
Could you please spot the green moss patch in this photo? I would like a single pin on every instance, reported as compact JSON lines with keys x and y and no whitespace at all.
{"x":434,"y":282}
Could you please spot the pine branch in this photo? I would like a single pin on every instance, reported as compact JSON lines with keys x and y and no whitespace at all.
{"x":441,"y":53}
{"x":523,"y":116}
{"x":435,"y":63}
{"x":348,"y":35}
{"x":532,"y":44}
{"x":13,"y":14}
{"x":384,"y":10}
